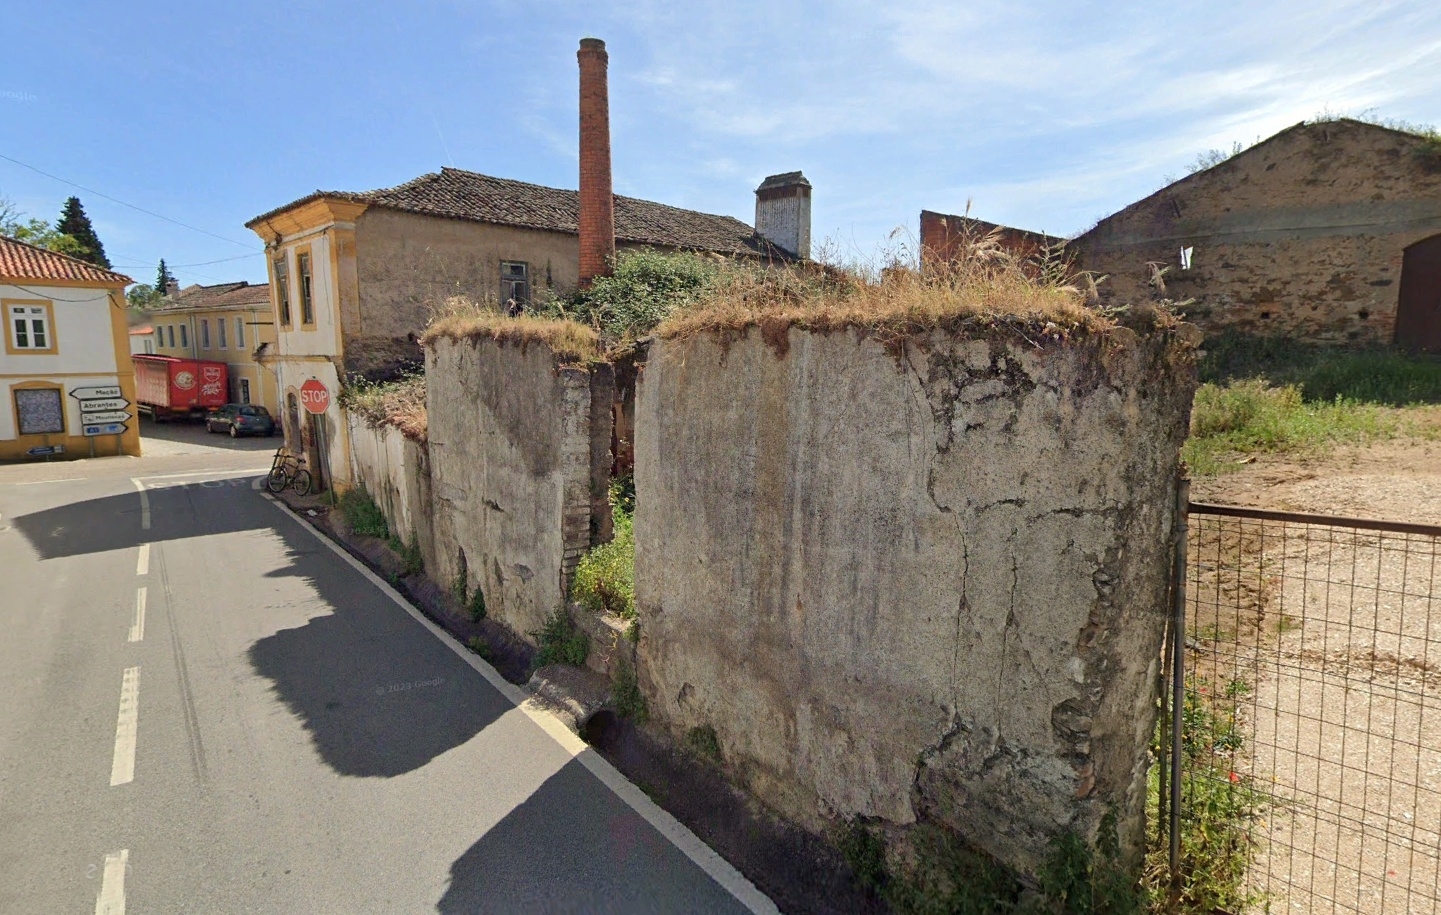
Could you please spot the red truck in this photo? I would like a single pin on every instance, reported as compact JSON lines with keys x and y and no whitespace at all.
{"x":167,"y":387}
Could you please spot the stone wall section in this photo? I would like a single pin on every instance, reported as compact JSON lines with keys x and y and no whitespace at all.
{"x":511,"y":459}
{"x":927,"y":584}
{"x":395,"y":470}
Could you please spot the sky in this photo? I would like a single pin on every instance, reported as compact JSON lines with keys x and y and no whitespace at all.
{"x":182,"y":121}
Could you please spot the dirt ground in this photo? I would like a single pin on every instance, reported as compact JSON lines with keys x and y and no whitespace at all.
{"x":1339,"y":631}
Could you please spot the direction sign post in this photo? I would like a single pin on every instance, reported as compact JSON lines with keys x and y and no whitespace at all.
{"x":110,"y":416}
{"x":105,"y":429}
{"x":97,"y":392}
{"x":103,"y":404}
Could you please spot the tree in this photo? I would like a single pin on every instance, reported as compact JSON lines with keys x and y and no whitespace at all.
{"x":35,"y":232}
{"x":163,"y":278}
{"x":76,"y":224}
{"x":143,"y":297}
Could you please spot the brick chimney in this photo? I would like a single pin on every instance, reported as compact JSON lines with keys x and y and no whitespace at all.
{"x":597,"y":201}
{"x":783,"y":212}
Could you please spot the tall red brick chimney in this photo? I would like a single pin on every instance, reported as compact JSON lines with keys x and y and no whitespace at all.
{"x":597,"y":201}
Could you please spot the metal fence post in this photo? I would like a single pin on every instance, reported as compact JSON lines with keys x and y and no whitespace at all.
{"x":1178,"y":671}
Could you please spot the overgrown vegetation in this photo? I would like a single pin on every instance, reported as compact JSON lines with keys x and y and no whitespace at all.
{"x":644,"y":288}
{"x":625,"y":693}
{"x":363,"y":515}
{"x":605,"y":578}
{"x":399,"y":403}
{"x":480,"y":646}
{"x":704,"y":742}
{"x":409,"y":554}
{"x":1272,"y":394}
{"x":463,"y":319}
{"x":476,"y":605}
{"x":561,"y":641}
{"x":1219,"y":807}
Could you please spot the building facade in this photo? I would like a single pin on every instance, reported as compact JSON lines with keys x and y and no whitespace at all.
{"x":1327,"y":231}
{"x":231,"y":323}
{"x":66,"y":339}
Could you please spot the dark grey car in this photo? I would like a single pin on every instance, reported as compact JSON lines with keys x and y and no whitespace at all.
{"x":241,"y":419}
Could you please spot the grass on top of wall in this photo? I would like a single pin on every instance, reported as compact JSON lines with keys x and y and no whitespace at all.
{"x":464,"y":319}
{"x":399,"y":403}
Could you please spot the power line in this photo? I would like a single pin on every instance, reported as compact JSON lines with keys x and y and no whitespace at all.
{"x":122,"y":202}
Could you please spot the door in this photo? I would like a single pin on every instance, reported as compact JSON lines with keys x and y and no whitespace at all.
{"x":1418,"y":308}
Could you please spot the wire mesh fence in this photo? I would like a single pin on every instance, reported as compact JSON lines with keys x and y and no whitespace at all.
{"x":1310,"y":768}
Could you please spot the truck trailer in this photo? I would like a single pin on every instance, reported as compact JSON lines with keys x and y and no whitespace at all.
{"x":167,"y":387}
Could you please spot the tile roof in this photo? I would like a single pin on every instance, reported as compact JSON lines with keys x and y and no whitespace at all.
{"x":455,"y":193}
{"x":21,"y":261}
{"x":218,"y":296}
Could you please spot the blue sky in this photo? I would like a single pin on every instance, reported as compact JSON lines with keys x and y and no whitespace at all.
{"x":1044,"y":115}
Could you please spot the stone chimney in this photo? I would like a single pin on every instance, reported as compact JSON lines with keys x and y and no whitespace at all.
{"x":597,"y":201}
{"x":172,"y":288}
{"x":783,"y":212}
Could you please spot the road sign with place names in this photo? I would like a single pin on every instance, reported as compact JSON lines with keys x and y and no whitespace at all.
{"x":112,"y":416}
{"x":100,"y":392}
{"x":103,"y":405}
{"x":105,"y":429}
{"x":43,"y":450}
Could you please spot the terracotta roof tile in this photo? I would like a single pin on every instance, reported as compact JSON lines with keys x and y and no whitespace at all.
{"x":218,"y":296}
{"x":21,"y":261}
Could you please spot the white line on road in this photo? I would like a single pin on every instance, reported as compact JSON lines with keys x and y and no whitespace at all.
{"x":40,"y":482}
{"x":137,"y":629}
{"x":142,"y":562}
{"x":144,"y":504}
{"x":706,"y":858}
{"x":205,"y":473}
{"x":122,"y":769}
{"x":112,"y":886}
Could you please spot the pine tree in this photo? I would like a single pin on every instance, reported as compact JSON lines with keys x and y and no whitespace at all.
{"x":76,"y":224}
{"x":163,"y":278}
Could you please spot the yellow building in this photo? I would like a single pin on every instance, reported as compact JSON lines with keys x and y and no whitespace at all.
{"x":230,"y":323}
{"x":66,"y":346}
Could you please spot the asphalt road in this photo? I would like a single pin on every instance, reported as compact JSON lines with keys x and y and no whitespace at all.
{"x":208,"y":709}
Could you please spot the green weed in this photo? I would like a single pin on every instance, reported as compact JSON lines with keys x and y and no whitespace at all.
{"x":479,"y":646}
{"x":561,"y":641}
{"x":363,"y":515}
{"x":625,"y":693}
{"x":605,"y":578}
{"x":476,"y":605}
{"x":704,"y":742}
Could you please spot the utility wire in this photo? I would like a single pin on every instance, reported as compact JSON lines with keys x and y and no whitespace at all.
{"x":122,"y":202}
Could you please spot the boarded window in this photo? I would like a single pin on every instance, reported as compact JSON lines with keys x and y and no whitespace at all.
{"x":40,"y":411}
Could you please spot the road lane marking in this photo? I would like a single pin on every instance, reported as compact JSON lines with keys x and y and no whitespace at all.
{"x":111,"y":900}
{"x":205,"y":473}
{"x":137,"y":629}
{"x":122,"y":768}
{"x":144,"y":504}
{"x":41,"y":482}
{"x":702,"y":855}
{"x":142,"y":562}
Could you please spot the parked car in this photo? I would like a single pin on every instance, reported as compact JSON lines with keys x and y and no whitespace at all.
{"x":241,"y":419}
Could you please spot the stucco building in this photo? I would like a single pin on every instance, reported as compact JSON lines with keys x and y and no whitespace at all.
{"x":66,"y":344}
{"x":1327,"y":231}
{"x":227,"y":322}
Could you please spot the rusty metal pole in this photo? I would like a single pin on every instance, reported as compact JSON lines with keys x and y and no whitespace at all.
{"x":1178,"y":671}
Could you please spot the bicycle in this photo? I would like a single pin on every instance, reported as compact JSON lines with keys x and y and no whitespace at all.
{"x":286,"y":470}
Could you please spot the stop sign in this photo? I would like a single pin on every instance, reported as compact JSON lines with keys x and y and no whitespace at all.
{"x":314,"y":396}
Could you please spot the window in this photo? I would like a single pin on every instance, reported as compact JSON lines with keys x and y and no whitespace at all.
{"x":40,"y":411}
{"x":514,"y":282}
{"x":30,"y":330}
{"x":244,"y":391}
{"x":149,"y":345}
{"x":240,"y":333}
{"x":220,"y":330}
{"x":307,"y":307}
{"x":282,"y":290}
{"x":184,"y":337}
{"x":205,"y":333}
{"x":171,"y":329}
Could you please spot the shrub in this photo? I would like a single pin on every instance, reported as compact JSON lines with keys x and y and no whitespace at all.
{"x":643,"y":289}
{"x":626,"y":694}
{"x":704,"y":742}
{"x":476,"y":606}
{"x":399,"y":403}
{"x":605,"y":578}
{"x":363,"y":515}
{"x":480,"y":646}
{"x":561,"y":641}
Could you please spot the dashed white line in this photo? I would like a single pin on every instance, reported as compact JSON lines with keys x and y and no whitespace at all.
{"x":144,"y":505}
{"x":142,"y":562}
{"x":122,"y":768}
{"x":137,"y":629}
{"x":111,"y":900}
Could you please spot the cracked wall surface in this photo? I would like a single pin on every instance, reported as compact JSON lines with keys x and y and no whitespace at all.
{"x":395,"y":470}
{"x":511,"y":456}
{"x":930,"y":585}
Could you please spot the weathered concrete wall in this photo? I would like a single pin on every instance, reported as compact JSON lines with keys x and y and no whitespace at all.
{"x":928,"y":587}
{"x":511,"y":453}
{"x":395,"y":470}
{"x":1301,"y":235}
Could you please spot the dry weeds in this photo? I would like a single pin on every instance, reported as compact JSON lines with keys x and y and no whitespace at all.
{"x":463,"y":319}
{"x":398,"y":403}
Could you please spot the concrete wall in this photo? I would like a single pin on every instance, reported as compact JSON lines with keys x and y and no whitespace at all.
{"x":1301,"y":235}
{"x":395,"y":470}
{"x":511,"y":447}
{"x":932,"y":587}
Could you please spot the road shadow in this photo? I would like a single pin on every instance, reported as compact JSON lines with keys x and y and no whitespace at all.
{"x":573,"y":846}
{"x":188,"y":436}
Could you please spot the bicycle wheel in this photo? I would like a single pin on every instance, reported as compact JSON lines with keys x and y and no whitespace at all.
{"x":277,"y":480}
{"x":301,"y":483}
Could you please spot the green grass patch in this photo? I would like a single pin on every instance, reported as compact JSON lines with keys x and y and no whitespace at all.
{"x":1320,"y":373}
{"x":605,"y":578}
{"x":704,"y":743}
{"x":409,"y":554}
{"x":480,"y":646}
{"x":561,"y":641}
{"x":363,"y":515}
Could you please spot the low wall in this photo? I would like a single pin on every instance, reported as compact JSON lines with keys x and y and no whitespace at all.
{"x":926,"y":585}
{"x":519,"y":469}
{"x":395,"y":470}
